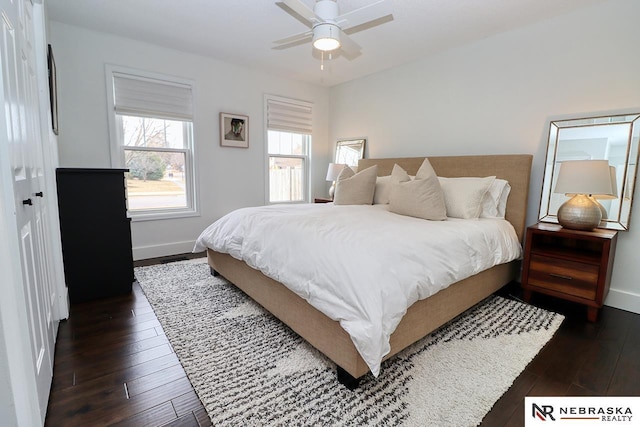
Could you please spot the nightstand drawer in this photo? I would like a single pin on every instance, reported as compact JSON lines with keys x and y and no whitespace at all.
{"x":569,"y":277}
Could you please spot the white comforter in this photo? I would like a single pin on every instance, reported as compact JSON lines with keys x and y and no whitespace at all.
{"x":362,"y":266}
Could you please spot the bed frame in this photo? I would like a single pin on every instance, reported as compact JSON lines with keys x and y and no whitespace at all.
{"x":424,"y":316}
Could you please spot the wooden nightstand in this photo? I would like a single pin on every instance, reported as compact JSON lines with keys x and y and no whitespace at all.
{"x":321,"y":200}
{"x":569,"y":264}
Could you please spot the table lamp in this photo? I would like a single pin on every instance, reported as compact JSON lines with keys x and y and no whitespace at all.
{"x":332,"y":174}
{"x":581,"y":180}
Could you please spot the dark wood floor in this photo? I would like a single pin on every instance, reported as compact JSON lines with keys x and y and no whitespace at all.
{"x":582,"y":359}
{"x":114,"y":366}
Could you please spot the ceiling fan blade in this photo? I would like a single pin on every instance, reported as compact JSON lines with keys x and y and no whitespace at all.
{"x":293,"y":42}
{"x":348,"y":48}
{"x":294,"y":38}
{"x":365,"y":14}
{"x":300,"y":10}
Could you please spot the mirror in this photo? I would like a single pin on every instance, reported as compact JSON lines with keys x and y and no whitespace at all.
{"x":612,"y":138}
{"x":349,"y":151}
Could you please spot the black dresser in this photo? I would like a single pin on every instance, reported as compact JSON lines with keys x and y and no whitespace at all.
{"x":96,"y":233}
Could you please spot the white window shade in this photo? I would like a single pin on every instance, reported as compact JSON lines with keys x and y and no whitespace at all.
{"x":146,"y":97}
{"x":289,"y":116}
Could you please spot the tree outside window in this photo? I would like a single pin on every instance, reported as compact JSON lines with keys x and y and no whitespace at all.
{"x":155,"y":154}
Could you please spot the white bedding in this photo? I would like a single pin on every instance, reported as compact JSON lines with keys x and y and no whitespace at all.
{"x":361,"y":265}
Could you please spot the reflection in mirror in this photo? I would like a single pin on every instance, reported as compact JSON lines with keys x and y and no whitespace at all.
{"x":349,"y":151}
{"x":612,"y":138}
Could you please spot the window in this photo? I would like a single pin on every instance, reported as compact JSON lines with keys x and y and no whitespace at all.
{"x":288,"y":146}
{"x":152,"y":124}
{"x":287,"y":166}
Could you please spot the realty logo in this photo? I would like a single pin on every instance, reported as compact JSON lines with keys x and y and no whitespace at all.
{"x":542,"y":412}
{"x":581,"y":410}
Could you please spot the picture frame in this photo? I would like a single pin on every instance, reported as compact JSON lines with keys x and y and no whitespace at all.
{"x":234,"y":130}
{"x":349,"y":151}
{"x":53,"y":89}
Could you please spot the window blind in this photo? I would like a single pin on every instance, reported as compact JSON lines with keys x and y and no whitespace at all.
{"x":140,"y":96}
{"x":294,"y":116}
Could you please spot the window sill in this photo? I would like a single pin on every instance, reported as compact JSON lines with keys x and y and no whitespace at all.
{"x":153,"y":216}
{"x":296,"y":202}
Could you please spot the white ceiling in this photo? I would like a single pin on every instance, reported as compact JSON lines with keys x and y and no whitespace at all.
{"x":242,"y":31}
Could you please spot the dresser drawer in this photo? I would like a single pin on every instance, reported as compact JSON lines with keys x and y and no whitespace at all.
{"x":569,"y":277}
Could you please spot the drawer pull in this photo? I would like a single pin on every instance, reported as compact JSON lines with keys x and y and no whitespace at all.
{"x":560,"y":276}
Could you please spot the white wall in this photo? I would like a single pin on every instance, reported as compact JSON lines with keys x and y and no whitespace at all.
{"x":228,"y":178}
{"x":498,"y":95}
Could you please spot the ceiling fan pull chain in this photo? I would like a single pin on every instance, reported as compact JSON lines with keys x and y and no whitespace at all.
{"x":321,"y":60}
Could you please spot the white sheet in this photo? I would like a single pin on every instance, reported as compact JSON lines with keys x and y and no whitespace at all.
{"x":362,"y":266}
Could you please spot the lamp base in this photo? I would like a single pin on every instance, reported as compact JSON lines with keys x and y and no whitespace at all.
{"x":580,"y":213}
{"x":332,"y":190}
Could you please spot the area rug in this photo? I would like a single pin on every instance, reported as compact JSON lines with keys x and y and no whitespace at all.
{"x":250,"y":369}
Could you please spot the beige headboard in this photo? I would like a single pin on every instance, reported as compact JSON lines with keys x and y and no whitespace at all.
{"x":515,"y":168}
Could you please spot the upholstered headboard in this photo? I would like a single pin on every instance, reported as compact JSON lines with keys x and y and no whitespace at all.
{"x":515,"y":168}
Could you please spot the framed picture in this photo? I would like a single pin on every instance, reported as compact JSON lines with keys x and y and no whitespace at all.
{"x":234,"y":130}
{"x":349,"y":151}
{"x":53,"y":89}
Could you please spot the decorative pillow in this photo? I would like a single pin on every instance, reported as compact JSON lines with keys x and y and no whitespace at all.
{"x":494,"y":204}
{"x":385,"y":183}
{"x":463,"y":196}
{"x":355,"y":188}
{"x":421,"y":197}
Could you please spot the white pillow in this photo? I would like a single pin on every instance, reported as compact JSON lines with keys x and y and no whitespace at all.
{"x":384,"y":184}
{"x":463,"y":196}
{"x":504,"y":197}
{"x":494,"y":204}
{"x":355,"y":188}
{"x":383,"y":188}
{"x":421,"y":197}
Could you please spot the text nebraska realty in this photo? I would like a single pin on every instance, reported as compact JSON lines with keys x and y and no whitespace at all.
{"x":605,"y":413}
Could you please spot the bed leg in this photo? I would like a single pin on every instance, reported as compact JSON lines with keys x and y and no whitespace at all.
{"x":213,"y":272}
{"x":347,"y":380}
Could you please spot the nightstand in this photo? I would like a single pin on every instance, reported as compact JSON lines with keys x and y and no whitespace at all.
{"x":321,"y":200}
{"x":569,"y":264}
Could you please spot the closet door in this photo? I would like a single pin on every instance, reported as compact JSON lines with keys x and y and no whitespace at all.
{"x":20,"y":111}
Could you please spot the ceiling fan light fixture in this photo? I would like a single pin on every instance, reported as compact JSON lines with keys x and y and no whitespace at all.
{"x":326,"y":37}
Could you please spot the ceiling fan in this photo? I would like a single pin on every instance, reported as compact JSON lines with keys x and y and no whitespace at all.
{"x":327,"y":26}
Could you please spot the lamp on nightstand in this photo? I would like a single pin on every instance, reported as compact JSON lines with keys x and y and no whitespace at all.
{"x":332,"y":174}
{"x":582,"y":180}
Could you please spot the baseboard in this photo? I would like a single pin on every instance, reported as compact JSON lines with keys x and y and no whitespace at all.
{"x":146,"y":252}
{"x":62,"y":310}
{"x":623,"y":300}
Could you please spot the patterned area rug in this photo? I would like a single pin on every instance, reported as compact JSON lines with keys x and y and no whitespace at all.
{"x":250,"y":369}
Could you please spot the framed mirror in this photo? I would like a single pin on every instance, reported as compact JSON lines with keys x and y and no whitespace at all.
{"x":349,"y":151}
{"x":613,"y":138}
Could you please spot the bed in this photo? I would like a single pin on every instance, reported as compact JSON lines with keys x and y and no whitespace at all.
{"x":422,"y":317}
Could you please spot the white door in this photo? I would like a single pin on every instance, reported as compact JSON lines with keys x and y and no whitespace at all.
{"x":20,"y":111}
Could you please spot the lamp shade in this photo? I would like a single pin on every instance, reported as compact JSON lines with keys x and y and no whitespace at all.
{"x":326,"y":37}
{"x":334,"y":170}
{"x":614,"y":187}
{"x":585,"y":177}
